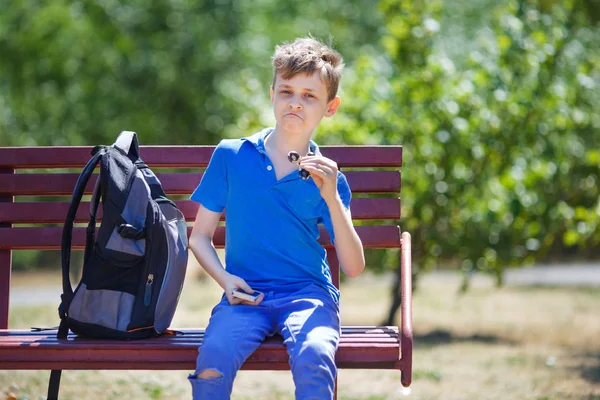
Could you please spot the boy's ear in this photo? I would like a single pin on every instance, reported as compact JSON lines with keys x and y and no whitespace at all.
{"x":333,"y":106}
{"x":271,"y":91}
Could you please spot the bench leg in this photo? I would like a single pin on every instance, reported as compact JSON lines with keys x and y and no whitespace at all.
{"x":5,"y":263}
{"x":335,"y":389}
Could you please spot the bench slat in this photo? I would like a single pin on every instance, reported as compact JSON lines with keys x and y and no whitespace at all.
{"x":382,"y":236}
{"x":359,"y":347}
{"x":174,"y":183}
{"x":55,"y":212}
{"x":347,"y":330}
{"x":273,"y":362}
{"x":185,"y":156}
{"x":183,"y":341}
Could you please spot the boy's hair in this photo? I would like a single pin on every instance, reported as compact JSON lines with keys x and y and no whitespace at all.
{"x":308,"y":55}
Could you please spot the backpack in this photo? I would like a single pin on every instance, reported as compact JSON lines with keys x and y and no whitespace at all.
{"x":133,"y":271}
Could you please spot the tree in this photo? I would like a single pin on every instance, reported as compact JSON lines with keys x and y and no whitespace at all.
{"x":501,"y":149}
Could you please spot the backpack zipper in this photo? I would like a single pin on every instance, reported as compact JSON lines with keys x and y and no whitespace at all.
{"x":149,"y":241}
{"x":148,"y":291}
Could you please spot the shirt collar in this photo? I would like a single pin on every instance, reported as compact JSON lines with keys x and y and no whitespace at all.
{"x":258,"y":140}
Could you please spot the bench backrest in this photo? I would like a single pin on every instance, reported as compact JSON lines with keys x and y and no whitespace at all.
{"x":36,"y":184}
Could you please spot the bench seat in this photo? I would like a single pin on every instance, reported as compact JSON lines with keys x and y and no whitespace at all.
{"x":360,"y":347}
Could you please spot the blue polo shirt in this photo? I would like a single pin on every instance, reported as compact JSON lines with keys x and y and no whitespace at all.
{"x":272,"y":225}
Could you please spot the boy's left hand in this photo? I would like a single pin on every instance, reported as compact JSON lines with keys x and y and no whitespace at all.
{"x":324,"y":172}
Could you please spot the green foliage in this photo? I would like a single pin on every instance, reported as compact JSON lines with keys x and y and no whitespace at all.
{"x":177,"y":72}
{"x":496,"y":103}
{"x":80,"y":72}
{"x":501,"y":148}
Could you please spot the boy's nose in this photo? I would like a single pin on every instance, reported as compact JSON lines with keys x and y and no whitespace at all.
{"x":295,"y":105}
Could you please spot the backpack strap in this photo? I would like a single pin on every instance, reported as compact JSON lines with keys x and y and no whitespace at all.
{"x":90,"y":231}
{"x":54,"y":384}
{"x":67,"y":235}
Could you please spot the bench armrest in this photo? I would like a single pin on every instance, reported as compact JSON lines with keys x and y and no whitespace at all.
{"x":406,"y":309}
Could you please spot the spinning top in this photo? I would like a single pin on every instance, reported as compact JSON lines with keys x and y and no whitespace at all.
{"x":294,"y":158}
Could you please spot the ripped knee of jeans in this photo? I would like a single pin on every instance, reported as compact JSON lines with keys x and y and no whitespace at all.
{"x":209,"y":374}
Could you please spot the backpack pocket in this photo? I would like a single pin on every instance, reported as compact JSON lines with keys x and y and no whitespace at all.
{"x":108,"y":308}
{"x":112,"y":271}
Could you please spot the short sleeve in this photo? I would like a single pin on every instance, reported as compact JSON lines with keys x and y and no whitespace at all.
{"x":346,"y":195}
{"x":213,"y":188}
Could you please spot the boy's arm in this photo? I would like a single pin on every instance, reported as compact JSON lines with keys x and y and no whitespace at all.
{"x":201,"y":244}
{"x":202,"y":247}
{"x":348,"y":245}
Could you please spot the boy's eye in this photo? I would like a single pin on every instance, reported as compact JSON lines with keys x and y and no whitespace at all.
{"x":286,"y":92}
{"x":312,"y":96}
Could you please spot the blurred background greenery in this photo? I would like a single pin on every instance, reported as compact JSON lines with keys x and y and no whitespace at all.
{"x":497,"y":103}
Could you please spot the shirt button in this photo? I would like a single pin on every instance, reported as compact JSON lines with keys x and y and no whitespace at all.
{"x":269,"y":168}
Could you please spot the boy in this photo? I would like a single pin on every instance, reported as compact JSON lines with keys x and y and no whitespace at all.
{"x":271,"y":233}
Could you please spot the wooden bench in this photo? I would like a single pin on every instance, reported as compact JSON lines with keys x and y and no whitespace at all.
{"x":25,"y":224}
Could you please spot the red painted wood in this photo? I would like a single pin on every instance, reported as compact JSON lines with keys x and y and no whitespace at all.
{"x":5,"y":260}
{"x":335,"y":389}
{"x":163,"y":365}
{"x":367,"y":347}
{"x":375,"y":237}
{"x":185,"y":156}
{"x":5,"y":269}
{"x":349,"y":340}
{"x":347,"y":330}
{"x":62,"y":184}
{"x":334,"y":266}
{"x":55,"y":212}
{"x":360,"y":347}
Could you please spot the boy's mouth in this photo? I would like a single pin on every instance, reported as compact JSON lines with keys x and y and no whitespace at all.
{"x":292,"y":115}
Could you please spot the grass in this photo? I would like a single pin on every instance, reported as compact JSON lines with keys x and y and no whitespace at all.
{"x":511,"y":343}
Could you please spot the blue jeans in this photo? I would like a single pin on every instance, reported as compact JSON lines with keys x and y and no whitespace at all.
{"x":307,"y":319}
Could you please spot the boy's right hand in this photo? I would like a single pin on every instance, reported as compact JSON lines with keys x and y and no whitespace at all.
{"x":233,"y":282}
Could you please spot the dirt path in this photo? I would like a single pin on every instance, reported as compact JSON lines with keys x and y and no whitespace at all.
{"x":577,"y":274}
{"x":28,"y":290}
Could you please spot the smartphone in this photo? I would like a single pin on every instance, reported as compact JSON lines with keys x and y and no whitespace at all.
{"x":240,"y":294}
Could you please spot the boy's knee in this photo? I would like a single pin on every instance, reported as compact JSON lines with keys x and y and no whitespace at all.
{"x":209,"y":374}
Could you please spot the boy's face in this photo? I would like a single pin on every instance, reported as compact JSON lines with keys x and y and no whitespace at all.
{"x":299,"y":103}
